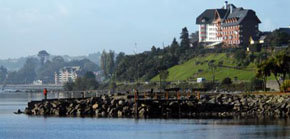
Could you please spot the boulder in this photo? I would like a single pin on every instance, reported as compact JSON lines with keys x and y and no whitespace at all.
{"x":95,"y":106}
{"x":120,"y":114}
{"x":121,"y":102}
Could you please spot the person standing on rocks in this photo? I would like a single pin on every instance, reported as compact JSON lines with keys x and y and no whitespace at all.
{"x":45,"y":93}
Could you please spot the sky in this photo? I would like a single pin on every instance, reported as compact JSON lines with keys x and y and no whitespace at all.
{"x":81,"y":27}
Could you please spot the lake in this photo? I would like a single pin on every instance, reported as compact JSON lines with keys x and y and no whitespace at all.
{"x":26,"y":127}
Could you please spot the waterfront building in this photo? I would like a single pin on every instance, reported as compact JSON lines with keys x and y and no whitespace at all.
{"x":66,"y":74}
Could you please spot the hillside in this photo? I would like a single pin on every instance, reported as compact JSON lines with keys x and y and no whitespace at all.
{"x":198,"y":67}
{"x":16,"y":63}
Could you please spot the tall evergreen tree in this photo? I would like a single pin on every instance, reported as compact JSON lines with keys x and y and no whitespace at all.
{"x":108,"y":63}
{"x":185,"y":41}
{"x":104,"y":63}
{"x":111,"y":62}
{"x":173,"y":47}
{"x":43,"y":55}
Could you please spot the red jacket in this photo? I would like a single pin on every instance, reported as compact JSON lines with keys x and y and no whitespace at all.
{"x":44,"y":91}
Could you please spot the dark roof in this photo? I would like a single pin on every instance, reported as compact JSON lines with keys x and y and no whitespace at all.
{"x":222,"y":13}
{"x":241,"y":14}
{"x":285,"y":30}
{"x":207,"y":15}
{"x":255,"y":38}
{"x":231,"y":11}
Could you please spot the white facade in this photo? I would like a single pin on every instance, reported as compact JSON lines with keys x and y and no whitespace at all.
{"x":208,"y":33}
{"x":67,"y":74}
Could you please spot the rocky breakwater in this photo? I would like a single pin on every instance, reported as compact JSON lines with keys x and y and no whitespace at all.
{"x":208,"y":106}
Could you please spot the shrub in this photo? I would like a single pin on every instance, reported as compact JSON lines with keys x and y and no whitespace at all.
{"x":285,"y":85}
{"x":208,"y":86}
{"x":227,"y":81}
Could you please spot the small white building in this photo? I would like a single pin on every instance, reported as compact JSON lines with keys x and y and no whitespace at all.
{"x":200,"y":80}
{"x":37,"y":82}
{"x":66,"y":74}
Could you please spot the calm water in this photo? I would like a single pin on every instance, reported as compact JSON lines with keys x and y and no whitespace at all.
{"x":22,"y":126}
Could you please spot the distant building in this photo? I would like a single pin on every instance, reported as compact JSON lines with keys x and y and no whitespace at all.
{"x":37,"y":82}
{"x":229,"y":25}
{"x":66,"y":74}
{"x":200,"y":80}
{"x":260,"y":39}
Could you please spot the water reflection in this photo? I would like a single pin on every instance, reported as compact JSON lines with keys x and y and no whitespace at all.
{"x":15,"y":126}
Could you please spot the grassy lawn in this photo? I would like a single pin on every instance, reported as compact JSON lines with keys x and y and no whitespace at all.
{"x":198,"y":67}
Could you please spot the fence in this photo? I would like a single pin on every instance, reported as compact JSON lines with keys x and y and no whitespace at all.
{"x":33,"y":96}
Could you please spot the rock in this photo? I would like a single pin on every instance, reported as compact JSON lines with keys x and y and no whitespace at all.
{"x":103,"y":114}
{"x":221,"y":105}
{"x":142,"y":113}
{"x":18,"y":112}
{"x":121,"y":102}
{"x":280,"y":99}
{"x":95,"y":106}
{"x":190,"y":104}
{"x":120,"y":114}
{"x":212,"y":101}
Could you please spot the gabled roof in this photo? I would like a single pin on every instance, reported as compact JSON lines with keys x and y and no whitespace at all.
{"x":241,"y":14}
{"x":207,"y":16}
{"x":230,"y":11}
{"x":222,"y":12}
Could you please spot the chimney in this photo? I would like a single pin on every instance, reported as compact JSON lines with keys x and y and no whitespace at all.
{"x":231,"y":8}
{"x":226,"y":5}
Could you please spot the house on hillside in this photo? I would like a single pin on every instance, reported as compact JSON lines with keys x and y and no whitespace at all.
{"x":260,"y":39}
{"x":229,"y":25}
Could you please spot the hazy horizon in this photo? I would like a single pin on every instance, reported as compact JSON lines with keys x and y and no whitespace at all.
{"x":77,"y":28}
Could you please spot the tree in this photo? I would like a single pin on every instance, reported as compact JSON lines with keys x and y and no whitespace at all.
{"x":278,"y":38}
{"x":69,"y":86}
{"x":87,"y":82}
{"x":153,"y":49}
{"x":212,"y":67}
{"x":111,"y":62}
{"x":227,"y":81}
{"x":104,"y":63}
{"x":108,"y":63}
{"x":194,"y":37}
{"x":278,"y":65}
{"x":163,"y":76}
{"x":264,"y":72}
{"x":185,"y":42}
{"x":27,"y":74}
{"x":261,"y":57}
{"x":119,"y":58}
{"x":173,"y":47}
{"x":43,"y":55}
{"x":240,"y":55}
{"x":3,"y":74}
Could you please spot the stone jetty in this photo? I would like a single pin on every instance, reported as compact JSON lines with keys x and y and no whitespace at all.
{"x":208,"y":106}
